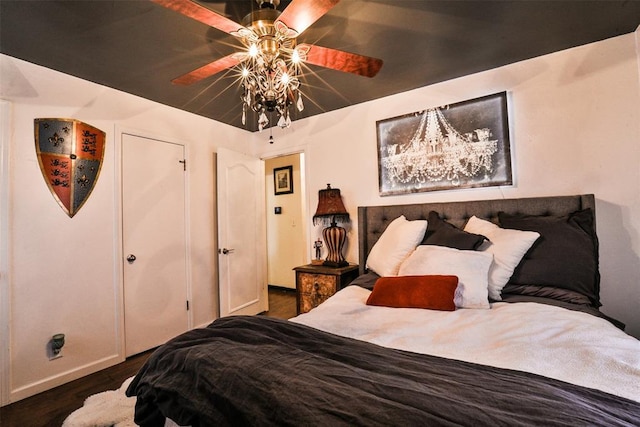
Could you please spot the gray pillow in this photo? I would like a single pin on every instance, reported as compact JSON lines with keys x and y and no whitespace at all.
{"x":441,"y":233}
{"x":366,"y":280}
{"x":565,"y":256}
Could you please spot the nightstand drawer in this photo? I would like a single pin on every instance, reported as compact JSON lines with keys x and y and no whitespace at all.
{"x":316,"y":283}
{"x":319,"y":284}
{"x":308,"y":301}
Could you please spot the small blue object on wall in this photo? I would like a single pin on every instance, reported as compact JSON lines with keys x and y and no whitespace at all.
{"x":277,"y":210}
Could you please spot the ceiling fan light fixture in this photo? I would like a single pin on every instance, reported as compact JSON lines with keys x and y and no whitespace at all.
{"x":269,"y":48}
{"x":268,"y":65}
{"x":270,"y":75}
{"x":295,"y":57}
{"x":270,"y":4}
{"x":253,"y":50}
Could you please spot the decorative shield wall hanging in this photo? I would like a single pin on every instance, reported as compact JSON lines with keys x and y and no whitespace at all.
{"x":70,"y":154}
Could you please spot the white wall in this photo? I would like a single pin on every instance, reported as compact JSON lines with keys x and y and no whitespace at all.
{"x":64,"y":272}
{"x":575,"y":128}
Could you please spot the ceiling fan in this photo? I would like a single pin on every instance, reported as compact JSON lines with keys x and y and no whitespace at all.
{"x":271,"y":56}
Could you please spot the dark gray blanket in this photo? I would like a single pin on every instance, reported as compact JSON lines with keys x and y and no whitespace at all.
{"x":261,"y":371}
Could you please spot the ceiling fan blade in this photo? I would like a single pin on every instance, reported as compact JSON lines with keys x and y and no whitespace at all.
{"x":207,"y":70}
{"x":200,"y":14}
{"x":341,"y":60}
{"x":300,"y":14}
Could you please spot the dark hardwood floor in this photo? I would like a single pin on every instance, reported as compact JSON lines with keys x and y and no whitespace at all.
{"x":282,"y":303}
{"x":51,"y":408}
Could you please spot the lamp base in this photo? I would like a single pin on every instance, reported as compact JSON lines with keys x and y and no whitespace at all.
{"x":335,"y":264}
{"x":335,"y":237}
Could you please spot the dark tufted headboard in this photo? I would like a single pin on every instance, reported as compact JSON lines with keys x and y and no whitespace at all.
{"x":372,"y":220}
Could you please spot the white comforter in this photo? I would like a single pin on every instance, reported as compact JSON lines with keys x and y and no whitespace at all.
{"x":551,"y":341}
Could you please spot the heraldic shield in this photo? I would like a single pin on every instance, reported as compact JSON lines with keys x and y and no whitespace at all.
{"x":70,"y":154}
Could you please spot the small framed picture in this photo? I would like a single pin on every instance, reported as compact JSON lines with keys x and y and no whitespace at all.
{"x":283,"y":180}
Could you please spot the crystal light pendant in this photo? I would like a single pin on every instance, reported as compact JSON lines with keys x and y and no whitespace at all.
{"x":299,"y":104}
{"x":262,"y":121}
{"x":270,"y":67}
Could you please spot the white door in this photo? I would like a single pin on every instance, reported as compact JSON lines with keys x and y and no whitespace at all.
{"x":241,"y":234}
{"x":154,"y":242}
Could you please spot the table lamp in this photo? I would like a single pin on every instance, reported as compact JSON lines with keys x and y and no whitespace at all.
{"x":331,"y":210}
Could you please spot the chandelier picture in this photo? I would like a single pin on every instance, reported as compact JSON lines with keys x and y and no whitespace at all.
{"x":424,"y":151}
{"x":437,"y":151}
{"x":270,"y":63}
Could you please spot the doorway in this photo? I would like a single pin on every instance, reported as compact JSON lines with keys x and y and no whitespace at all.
{"x":286,"y":226}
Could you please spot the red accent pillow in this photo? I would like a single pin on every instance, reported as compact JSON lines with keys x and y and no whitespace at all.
{"x":434,"y":292}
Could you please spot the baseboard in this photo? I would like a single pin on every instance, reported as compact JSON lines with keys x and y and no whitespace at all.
{"x":63,"y":378}
{"x":281,"y":288}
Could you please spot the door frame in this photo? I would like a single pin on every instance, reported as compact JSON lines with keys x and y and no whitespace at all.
{"x":5,"y":237}
{"x":118,"y":204}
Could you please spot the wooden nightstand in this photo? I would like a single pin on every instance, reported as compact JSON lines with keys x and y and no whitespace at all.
{"x":316,"y":283}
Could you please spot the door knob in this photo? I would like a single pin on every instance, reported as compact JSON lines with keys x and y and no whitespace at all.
{"x":225,"y":251}
{"x":131,"y":258}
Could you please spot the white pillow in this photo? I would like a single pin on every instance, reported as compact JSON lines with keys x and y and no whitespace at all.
{"x":471,"y":267}
{"x":398,"y":240}
{"x":507,"y":246}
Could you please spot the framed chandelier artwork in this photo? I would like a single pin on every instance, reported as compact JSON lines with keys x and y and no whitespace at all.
{"x":462,"y":145}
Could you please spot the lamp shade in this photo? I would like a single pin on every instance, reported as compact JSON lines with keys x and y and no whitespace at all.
{"x":330,"y":207}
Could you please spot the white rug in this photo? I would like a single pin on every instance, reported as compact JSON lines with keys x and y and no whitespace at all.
{"x":109,"y":408}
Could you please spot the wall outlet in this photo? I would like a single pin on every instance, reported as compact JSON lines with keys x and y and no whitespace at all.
{"x":51,"y":354}
{"x":54,"y":346}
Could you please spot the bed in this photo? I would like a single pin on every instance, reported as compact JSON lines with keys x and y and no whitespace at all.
{"x":465,"y":313}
